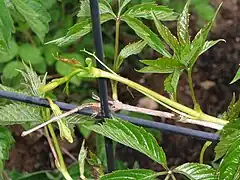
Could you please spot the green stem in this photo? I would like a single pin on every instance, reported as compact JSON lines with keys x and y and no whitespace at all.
{"x":198,"y":115}
{"x":205,"y":146}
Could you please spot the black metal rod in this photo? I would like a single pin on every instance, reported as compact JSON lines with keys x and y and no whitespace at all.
{"x":98,"y":43}
{"x":155,"y":125}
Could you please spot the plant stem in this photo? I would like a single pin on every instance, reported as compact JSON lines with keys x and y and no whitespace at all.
{"x":190,"y":81}
{"x":197,"y":115}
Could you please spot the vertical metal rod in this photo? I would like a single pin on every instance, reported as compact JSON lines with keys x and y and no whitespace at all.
{"x":98,"y":43}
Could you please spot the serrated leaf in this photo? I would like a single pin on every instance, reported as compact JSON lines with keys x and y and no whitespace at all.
{"x":147,"y":35}
{"x":182,"y":26}
{"x":35,"y":15}
{"x":144,"y":11}
{"x":230,"y":128}
{"x":79,"y":30}
{"x":208,"y":44}
{"x":12,"y":52}
{"x":229,"y":168}
{"x":134,"y":174}
{"x":236,"y":77}
{"x":132,"y":136}
{"x":233,"y":111}
{"x":195,"y":171}
{"x":166,"y":34}
{"x":129,"y":50}
{"x":6,"y":28}
{"x":10,"y":69}
{"x":18,"y":113}
{"x":161,"y":65}
{"x":30,"y":54}
{"x":171,"y":82}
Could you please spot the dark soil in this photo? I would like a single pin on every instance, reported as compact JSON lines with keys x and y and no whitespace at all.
{"x":213,"y":72}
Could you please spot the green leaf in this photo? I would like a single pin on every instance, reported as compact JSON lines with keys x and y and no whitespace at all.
{"x":166,"y":34}
{"x":195,"y":171}
{"x":134,"y":174}
{"x":6,"y":28}
{"x":144,"y":11}
{"x":147,"y":35}
{"x":208,"y":44}
{"x":236,"y":77}
{"x":230,"y":128}
{"x":233,"y":111}
{"x":182,"y":26}
{"x":35,"y":15}
{"x":129,"y":50}
{"x":30,"y":54}
{"x":161,"y":65}
{"x":132,"y":136}
{"x":10,"y":69}
{"x":12,"y":52}
{"x":81,"y":159}
{"x":122,"y":4}
{"x":229,"y":168}
{"x":171,"y":82}
{"x":79,"y":30}
{"x":6,"y":141}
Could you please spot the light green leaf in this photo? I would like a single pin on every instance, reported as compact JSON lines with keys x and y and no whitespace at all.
{"x":166,"y":34}
{"x":10,"y":69}
{"x":35,"y":15}
{"x":195,"y":171}
{"x":147,"y":35}
{"x":171,"y":82}
{"x":144,"y":11}
{"x":6,"y":28}
{"x":30,"y":54}
{"x":132,"y":136}
{"x":122,"y":4}
{"x":182,"y":26}
{"x":236,"y":77}
{"x":79,"y":30}
{"x":134,"y":174}
{"x":229,"y":168}
{"x":233,"y":111}
{"x":161,"y":65}
{"x":208,"y":44}
{"x":81,"y":159}
{"x":129,"y":50}
{"x":12,"y":52}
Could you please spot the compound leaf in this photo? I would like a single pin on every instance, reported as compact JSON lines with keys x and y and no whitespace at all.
{"x":236,"y":77}
{"x":131,"y":136}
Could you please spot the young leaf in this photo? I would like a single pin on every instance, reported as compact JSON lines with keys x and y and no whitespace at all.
{"x":208,"y":44}
{"x":230,"y":164}
{"x":182,"y":26}
{"x":166,"y":34}
{"x":81,"y":160}
{"x":6,"y":28}
{"x":195,"y":171}
{"x":35,"y":15}
{"x":132,"y":136}
{"x":161,"y":65}
{"x":147,"y":35}
{"x":134,"y":174}
{"x":79,"y":30}
{"x":171,"y":82}
{"x":122,"y":4}
{"x":144,"y":11}
{"x":233,"y":111}
{"x":236,"y":77}
{"x":129,"y":50}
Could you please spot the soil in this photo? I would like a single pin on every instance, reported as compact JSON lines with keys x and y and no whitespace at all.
{"x":212,"y":74}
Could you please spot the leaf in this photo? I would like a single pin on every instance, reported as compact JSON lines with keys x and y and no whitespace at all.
{"x":79,"y":30}
{"x":122,"y":4}
{"x":233,"y":111}
{"x":182,"y":26}
{"x":35,"y":15}
{"x":236,"y":77}
{"x":144,"y":11}
{"x":166,"y":34}
{"x":229,"y":168}
{"x":230,"y":128}
{"x":147,"y":35}
{"x":81,"y":159}
{"x":12,"y":52}
{"x":161,"y":65}
{"x":10,"y":69}
{"x":129,"y":50}
{"x":136,"y":174}
{"x":30,"y":54}
{"x":6,"y":28}
{"x":195,"y":171}
{"x":171,"y":82}
{"x":208,"y":44}
{"x":6,"y":142}
{"x":132,"y":136}
{"x":18,"y":113}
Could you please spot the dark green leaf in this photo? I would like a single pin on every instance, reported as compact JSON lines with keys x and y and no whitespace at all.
{"x":208,"y":44}
{"x":229,"y":168}
{"x":79,"y":30}
{"x":147,"y":35}
{"x":10,"y":69}
{"x":171,"y":82}
{"x":129,"y":50}
{"x":6,"y":28}
{"x":122,"y":4}
{"x":195,"y":171}
{"x":237,"y":77}
{"x":144,"y":11}
{"x":12,"y":52}
{"x":132,"y":136}
{"x":182,"y":26}
{"x":166,"y":34}
{"x":35,"y":15}
{"x":161,"y":65}
{"x":134,"y":174}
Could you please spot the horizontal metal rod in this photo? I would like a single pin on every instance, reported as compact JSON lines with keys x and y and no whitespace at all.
{"x":150,"y":124}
